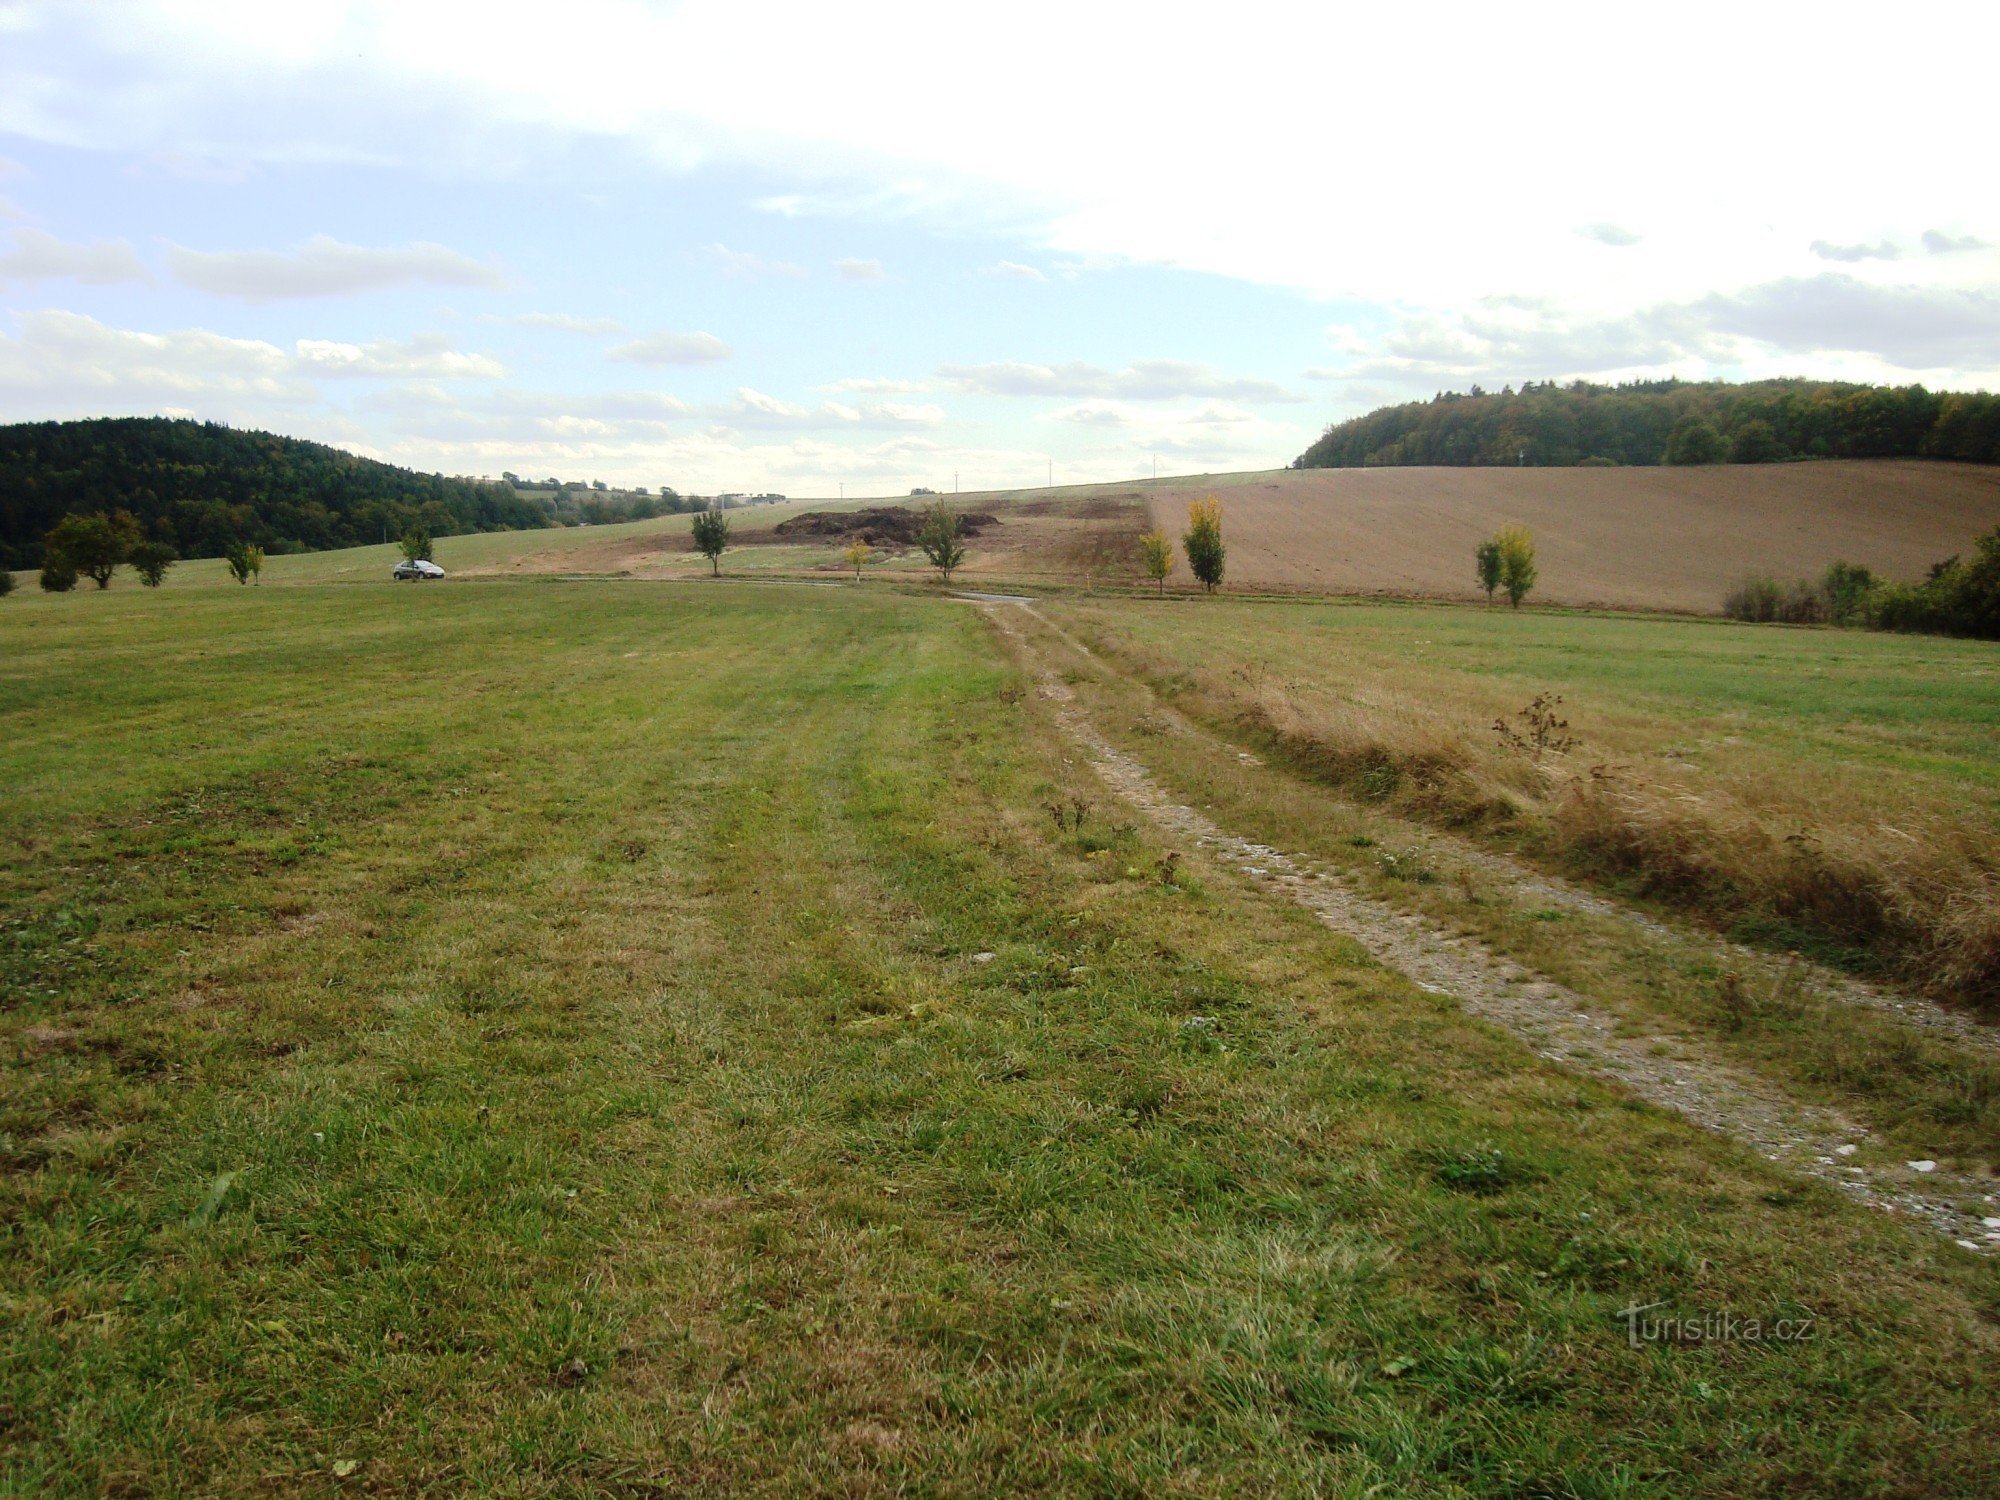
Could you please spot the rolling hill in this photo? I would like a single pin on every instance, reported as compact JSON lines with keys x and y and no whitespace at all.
{"x":199,"y":486}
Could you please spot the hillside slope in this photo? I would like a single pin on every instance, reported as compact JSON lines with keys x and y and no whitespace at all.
{"x":1656,"y":538}
{"x":200,"y":486}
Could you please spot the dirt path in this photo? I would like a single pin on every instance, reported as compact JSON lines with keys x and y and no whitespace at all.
{"x":1560,"y":1024}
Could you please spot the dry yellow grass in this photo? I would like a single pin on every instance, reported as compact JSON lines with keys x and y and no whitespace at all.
{"x":1829,"y":788}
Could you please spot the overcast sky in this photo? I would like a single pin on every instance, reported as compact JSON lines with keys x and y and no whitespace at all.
{"x":762,"y":246}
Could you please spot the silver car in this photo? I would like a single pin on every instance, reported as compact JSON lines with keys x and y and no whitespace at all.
{"x":419,"y":568}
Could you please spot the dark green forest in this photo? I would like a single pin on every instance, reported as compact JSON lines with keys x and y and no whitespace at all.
{"x":200,"y":487}
{"x":1666,"y":421}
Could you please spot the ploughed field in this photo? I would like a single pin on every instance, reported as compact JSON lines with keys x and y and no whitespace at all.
{"x":603,"y":1038}
{"x":1653,"y":538}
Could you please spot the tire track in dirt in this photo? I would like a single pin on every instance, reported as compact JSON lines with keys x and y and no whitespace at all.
{"x":1558,"y":1023}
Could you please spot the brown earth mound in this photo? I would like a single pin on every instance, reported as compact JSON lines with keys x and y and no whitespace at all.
{"x":884,"y":526}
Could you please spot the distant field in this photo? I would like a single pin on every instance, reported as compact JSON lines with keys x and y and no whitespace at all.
{"x":1665,"y":539}
{"x":1648,"y":538}
{"x":561,"y":1038}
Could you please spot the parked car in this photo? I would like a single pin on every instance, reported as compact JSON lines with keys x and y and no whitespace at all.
{"x":421,"y":568}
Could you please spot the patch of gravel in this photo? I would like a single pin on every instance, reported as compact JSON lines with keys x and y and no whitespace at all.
{"x":1558,"y":1023}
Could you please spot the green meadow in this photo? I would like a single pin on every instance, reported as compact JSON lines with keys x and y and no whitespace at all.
{"x":545,"y":1038}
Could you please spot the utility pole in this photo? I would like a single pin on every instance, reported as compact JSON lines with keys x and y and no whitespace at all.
{"x":843,"y":489}
{"x":1052,"y":473}
{"x":954,"y":481}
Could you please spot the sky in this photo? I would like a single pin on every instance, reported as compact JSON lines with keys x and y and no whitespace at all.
{"x":874,"y":246}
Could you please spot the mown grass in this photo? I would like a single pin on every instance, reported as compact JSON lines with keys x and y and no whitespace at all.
{"x":540,"y":1039}
{"x":1829,"y":791}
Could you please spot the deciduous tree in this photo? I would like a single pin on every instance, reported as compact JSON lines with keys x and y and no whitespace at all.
{"x":1517,"y":562}
{"x":940,"y":539}
{"x":93,"y":546}
{"x":711,"y":538}
{"x":150,"y":560}
{"x":1488,"y":558}
{"x":1156,"y":555}
{"x":1202,"y":542}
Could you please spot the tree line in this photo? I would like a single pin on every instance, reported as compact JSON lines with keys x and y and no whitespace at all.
{"x":200,"y":488}
{"x":1666,"y":421}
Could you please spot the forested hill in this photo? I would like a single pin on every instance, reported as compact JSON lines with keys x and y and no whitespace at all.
{"x":199,"y":487}
{"x":1667,"y":421}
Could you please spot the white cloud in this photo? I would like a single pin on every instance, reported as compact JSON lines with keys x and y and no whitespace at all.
{"x":67,"y":364}
{"x":325,"y":267}
{"x":11,"y":168}
{"x":1017,"y":270}
{"x":42,"y":257}
{"x":672,"y":349}
{"x":824,"y":122}
{"x":427,"y":356}
{"x":754,"y":409}
{"x":566,"y":323}
{"x":1882,"y":250}
{"x":868,"y":385}
{"x":1143,"y":380}
{"x":860,"y":270}
{"x":1937,"y":242}
{"x":1615,"y":235}
{"x":746,"y":265}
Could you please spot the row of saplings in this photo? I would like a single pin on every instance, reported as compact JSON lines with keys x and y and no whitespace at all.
{"x":1960,"y":596}
{"x":97,"y":546}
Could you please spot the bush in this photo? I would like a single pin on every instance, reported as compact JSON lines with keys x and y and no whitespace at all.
{"x":6,"y":582}
{"x":58,"y":577}
{"x":1766,"y":601}
{"x":1848,"y":590}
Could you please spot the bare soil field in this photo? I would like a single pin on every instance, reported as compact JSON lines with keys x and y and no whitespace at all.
{"x":1667,"y":538}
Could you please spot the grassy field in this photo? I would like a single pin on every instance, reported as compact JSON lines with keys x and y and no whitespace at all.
{"x":1836,"y":791}
{"x":556,"y":1039}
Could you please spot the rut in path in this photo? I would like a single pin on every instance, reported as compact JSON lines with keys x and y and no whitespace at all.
{"x":1559,"y":1023}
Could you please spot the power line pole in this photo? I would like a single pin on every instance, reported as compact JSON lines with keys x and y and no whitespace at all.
{"x":1052,"y":473}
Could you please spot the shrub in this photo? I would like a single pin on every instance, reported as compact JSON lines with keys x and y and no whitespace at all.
{"x":6,"y":582}
{"x":1848,"y":590}
{"x":58,"y":577}
{"x":1203,"y":542}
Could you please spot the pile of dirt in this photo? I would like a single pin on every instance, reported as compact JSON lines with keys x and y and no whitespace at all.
{"x":882,"y":526}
